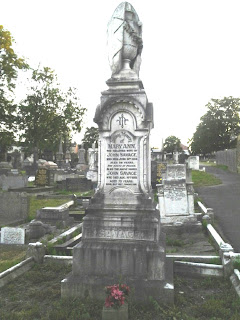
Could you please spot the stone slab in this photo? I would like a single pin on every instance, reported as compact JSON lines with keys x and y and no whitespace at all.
{"x":14,"y":182}
{"x":92,"y":175}
{"x":110,"y":227}
{"x":176,"y":171}
{"x":11,"y":235}
{"x":175,"y":197}
{"x":13,"y":207}
{"x":193,"y":162}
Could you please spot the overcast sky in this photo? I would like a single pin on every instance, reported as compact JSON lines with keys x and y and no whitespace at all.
{"x":191,"y":52}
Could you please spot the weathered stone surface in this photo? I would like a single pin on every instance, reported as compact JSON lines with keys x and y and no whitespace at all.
{"x":92,"y":159}
{"x":92,"y":164}
{"x":193,"y":162}
{"x":121,"y":230}
{"x":81,"y":155}
{"x":124,"y":170}
{"x":13,"y":207}
{"x":176,"y":171}
{"x":92,"y":175}
{"x":37,"y":229}
{"x":11,"y":235}
{"x":116,"y":314}
{"x":55,"y":216}
{"x":125,"y":42}
{"x":14,"y":182}
{"x":37,"y":251}
{"x":75,"y":184}
{"x":176,"y":196}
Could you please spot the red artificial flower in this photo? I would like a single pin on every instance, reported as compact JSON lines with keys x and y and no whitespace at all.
{"x":116,"y":295}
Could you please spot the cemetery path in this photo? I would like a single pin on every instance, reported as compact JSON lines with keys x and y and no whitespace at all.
{"x":225,"y":201}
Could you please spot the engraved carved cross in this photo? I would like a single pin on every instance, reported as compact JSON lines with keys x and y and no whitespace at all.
{"x":122,"y":121}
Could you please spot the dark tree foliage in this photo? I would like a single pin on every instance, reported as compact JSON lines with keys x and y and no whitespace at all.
{"x":171,"y":144}
{"x":10,"y":64}
{"x":48,"y":112}
{"x":218,"y":127}
{"x":91,"y":136}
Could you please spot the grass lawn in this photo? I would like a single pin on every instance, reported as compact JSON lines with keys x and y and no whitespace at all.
{"x":36,"y":295}
{"x":213,"y":164}
{"x":201,"y":179}
{"x":36,"y":204}
{"x":11,"y":255}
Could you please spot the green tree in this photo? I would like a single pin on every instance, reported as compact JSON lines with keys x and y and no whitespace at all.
{"x":91,"y":136}
{"x":10,"y":64}
{"x":48,"y":112}
{"x":217,"y":127}
{"x":171,"y":144}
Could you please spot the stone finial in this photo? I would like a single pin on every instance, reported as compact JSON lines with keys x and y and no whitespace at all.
{"x":125,"y":42}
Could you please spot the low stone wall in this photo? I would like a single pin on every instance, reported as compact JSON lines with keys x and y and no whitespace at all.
{"x":67,"y":234}
{"x":65,"y":260}
{"x":198,"y":269}
{"x":75,"y":184}
{"x":14,"y":182}
{"x":16,"y":271}
{"x":235,"y":279}
{"x":13,"y":207}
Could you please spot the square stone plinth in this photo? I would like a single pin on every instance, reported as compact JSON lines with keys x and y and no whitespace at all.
{"x":142,"y":266}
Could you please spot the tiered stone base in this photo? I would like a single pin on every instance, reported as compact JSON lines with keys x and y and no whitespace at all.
{"x":142,"y":266}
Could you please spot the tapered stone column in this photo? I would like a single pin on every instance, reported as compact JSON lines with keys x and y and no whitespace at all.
{"x":122,"y":238}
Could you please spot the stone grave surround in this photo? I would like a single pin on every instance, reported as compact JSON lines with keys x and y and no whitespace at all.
{"x":55,"y":216}
{"x":121,"y":230}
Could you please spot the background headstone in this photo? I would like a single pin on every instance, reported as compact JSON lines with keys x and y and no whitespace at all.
{"x":12,"y":235}
{"x":13,"y":207}
{"x":42,"y":177}
{"x":193,"y":162}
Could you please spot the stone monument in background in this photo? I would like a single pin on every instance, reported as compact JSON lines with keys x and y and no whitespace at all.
{"x":59,"y":154}
{"x":92,"y":164}
{"x":122,"y":239}
{"x":81,"y":166}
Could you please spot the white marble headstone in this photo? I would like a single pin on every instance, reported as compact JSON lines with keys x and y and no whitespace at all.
{"x":175,"y":196}
{"x":193,"y":162}
{"x":11,"y":235}
{"x":176,"y":171}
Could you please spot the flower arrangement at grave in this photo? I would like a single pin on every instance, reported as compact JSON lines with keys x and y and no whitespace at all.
{"x":116,"y":295}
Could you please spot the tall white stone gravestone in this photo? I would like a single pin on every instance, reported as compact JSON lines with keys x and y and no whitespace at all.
{"x":121,"y":236}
